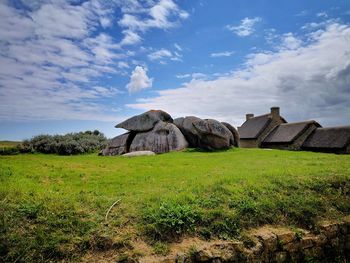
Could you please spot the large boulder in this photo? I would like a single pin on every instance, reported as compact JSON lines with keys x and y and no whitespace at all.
{"x":145,"y":121}
{"x":187,"y":128}
{"x":138,"y":153}
{"x":235,"y":135}
{"x":207,"y":134}
{"x":213,"y":135}
{"x":163,"y":138}
{"x":119,"y":145}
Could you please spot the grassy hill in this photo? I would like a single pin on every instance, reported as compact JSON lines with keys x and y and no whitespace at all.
{"x":54,"y":207}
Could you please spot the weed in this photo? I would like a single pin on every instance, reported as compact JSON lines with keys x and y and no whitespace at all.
{"x":221,"y":223}
{"x":30,"y":210}
{"x":161,"y":248}
{"x":247,"y":240}
{"x":298,"y":234}
{"x":192,"y":251}
{"x":170,"y":220}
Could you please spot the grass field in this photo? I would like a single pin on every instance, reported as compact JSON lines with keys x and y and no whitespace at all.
{"x":5,"y":144}
{"x":53,"y":207}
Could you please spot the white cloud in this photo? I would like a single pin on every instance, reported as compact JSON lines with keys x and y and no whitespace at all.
{"x":139,"y":80}
{"x":245,"y":28}
{"x":162,"y":54}
{"x":198,"y":75}
{"x":105,"y":92}
{"x":183,"y":76}
{"x":289,"y":41}
{"x":222,"y":54}
{"x":54,"y":53}
{"x":123,"y":64}
{"x":322,"y":14}
{"x":302,"y":13}
{"x":55,"y":21}
{"x":320,"y":25}
{"x":130,"y":38}
{"x":284,"y":41}
{"x":105,"y":22}
{"x":50,"y":61}
{"x":195,"y":75}
{"x":178,"y":47}
{"x":165,"y":14}
{"x":309,"y":81}
{"x":177,"y":57}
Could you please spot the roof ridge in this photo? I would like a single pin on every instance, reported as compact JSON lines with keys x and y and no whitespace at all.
{"x":299,"y":122}
{"x":263,"y":115}
{"x":336,"y":127}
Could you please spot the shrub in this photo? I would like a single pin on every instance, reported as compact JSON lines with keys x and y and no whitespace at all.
{"x":71,"y":143}
{"x":9,"y":151}
{"x":161,"y":248}
{"x":170,"y":220}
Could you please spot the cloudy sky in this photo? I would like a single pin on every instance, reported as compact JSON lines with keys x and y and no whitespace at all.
{"x":71,"y":65}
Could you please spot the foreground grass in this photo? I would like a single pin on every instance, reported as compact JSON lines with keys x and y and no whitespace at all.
{"x":53,"y":207}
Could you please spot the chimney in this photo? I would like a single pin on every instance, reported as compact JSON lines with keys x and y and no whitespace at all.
{"x":249,"y":116}
{"x":275,"y":112}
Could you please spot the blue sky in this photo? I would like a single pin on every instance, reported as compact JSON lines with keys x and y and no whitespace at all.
{"x":74,"y":65}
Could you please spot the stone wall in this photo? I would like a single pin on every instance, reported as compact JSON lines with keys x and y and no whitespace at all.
{"x":248,"y":143}
{"x":330,"y":243}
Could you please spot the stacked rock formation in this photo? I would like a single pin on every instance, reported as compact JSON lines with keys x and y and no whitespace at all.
{"x":206,"y":134}
{"x":156,"y":131}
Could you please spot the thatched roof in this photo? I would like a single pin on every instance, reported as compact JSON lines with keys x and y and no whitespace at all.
{"x":288,"y":132}
{"x":331,"y":138}
{"x":253,"y":127}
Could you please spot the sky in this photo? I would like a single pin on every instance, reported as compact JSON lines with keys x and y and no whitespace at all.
{"x":71,"y":65}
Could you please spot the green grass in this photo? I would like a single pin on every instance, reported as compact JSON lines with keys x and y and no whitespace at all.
{"x":5,"y":144}
{"x":53,"y":207}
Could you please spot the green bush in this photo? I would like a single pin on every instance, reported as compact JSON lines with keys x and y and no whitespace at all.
{"x":220,"y":223}
{"x":170,"y":220}
{"x":9,"y":151}
{"x":71,"y":143}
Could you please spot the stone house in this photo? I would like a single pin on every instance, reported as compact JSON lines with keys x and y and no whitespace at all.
{"x":255,"y":129}
{"x":289,"y":136}
{"x":332,"y":140}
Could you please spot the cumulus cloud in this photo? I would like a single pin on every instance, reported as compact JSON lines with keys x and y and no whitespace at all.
{"x":139,"y":80}
{"x":245,"y":28}
{"x":222,"y":54}
{"x":284,"y":41}
{"x":307,"y":80}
